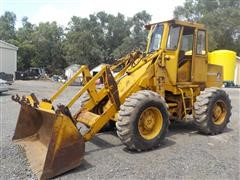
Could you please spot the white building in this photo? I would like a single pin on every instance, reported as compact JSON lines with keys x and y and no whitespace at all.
{"x":71,"y":70}
{"x":237,"y":72}
{"x":8,"y":58}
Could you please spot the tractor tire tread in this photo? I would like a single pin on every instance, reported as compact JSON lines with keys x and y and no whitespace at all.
{"x":123,"y":124}
{"x":203,"y":108}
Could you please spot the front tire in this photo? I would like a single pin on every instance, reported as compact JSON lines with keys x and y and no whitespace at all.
{"x":143,"y":120}
{"x":212,"y":111}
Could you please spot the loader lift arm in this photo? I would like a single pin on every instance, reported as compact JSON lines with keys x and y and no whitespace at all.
{"x":85,"y":115}
{"x":95,"y":121}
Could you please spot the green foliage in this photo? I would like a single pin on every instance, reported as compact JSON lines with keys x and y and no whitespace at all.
{"x":103,"y":37}
{"x":221,"y":18}
{"x":26,"y":49}
{"x":7,"y":26}
{"x":82,"y":41}
{"x":47,"y":38}
{"x":137,"y":37}
{"x":100,"y":38}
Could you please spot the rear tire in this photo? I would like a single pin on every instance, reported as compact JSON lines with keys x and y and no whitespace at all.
{"x":212,"y":111}
{"x":143,"y":120}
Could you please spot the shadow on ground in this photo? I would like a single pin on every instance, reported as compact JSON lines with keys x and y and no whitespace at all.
{"x":174,"y":129}
{"x":4,"y":94}
{"x":83,"y":167}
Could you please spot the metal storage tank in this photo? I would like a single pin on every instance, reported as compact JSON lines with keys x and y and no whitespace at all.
{"x":227,"y":59}
{"x":8,"y":58}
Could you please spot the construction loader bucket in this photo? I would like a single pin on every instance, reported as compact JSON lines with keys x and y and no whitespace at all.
{"x":52,"y":143}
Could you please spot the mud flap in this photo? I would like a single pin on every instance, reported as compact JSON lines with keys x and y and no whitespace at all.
{"x":52,"y":143}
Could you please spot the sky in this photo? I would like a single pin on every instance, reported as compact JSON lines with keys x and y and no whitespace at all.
{"x":61,"y":11}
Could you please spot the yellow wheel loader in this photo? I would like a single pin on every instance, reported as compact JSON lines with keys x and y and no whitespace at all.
{"x":171,"y":81}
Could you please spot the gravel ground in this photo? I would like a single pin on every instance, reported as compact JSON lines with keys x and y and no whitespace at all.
{"x":184,"y":154}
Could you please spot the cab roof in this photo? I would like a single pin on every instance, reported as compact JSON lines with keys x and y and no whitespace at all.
{"x":178,"y":22}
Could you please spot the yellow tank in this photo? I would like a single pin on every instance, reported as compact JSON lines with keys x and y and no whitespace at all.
{"x":225,"y":58}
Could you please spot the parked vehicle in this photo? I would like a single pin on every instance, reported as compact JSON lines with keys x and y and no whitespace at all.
{"x":3,"y":86}
{"x":7,"y":77}
{"x":57,"y":78}
{"x":30,"y":74}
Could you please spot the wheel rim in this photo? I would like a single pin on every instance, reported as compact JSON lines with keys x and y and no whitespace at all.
{"x":150,"y":123}
{"x":219,"y":112}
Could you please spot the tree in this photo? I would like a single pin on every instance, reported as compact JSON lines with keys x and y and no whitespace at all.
{"x":7,"y":26}
{"x":82,"y":41}
{"x":47,"y":39}
{"x":117,"y":30}
{"x":103,"y":37}
{"x":137,"y":38}
{"x":100,"y":38}
{"x":92,"y":40}
{"x":221,"y":18}
{"x":26,"y":49}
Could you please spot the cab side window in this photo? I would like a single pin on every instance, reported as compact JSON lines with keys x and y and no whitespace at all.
{"x":201,"y":42}
{"x":185,"y":53}
{"x":156,"y":38}
{"x":187,"y":41}
{"x":173,"y":37}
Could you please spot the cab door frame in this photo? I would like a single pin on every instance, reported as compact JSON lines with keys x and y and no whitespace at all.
{"x":199,"y":60}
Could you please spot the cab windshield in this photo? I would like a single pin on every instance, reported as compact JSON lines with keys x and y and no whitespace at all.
{"x":156,"y":38}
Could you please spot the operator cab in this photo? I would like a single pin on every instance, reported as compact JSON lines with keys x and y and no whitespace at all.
{"x":186,"y":45}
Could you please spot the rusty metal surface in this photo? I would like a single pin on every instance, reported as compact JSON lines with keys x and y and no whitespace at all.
{"x":36,"y":102}
{"x":114,"y":94}
{"x":25,"y":125}
{"x":51,"y":141}
{"x":66,"y":148}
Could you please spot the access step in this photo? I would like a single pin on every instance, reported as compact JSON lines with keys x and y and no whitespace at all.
{"x":87,"y":118}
